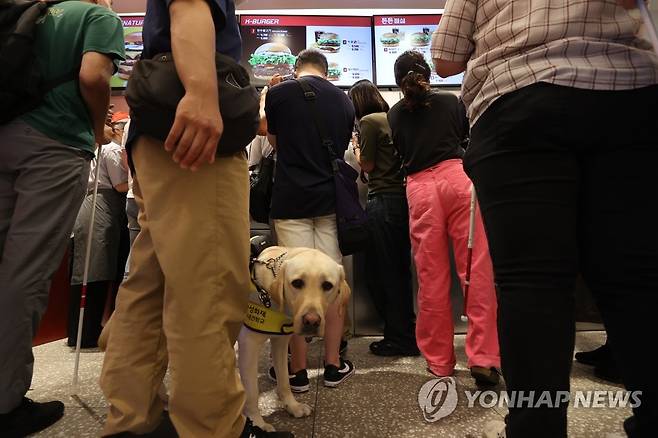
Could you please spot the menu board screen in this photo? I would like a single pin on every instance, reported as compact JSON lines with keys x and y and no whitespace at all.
{"x":395,"y":35}
{"x":132,"y":37}
{"x":271,"y":44}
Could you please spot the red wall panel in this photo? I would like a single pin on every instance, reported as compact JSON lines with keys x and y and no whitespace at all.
{"x":53,"y":323}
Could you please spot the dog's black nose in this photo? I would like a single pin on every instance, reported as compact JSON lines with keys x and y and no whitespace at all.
{"x":311,"y":320}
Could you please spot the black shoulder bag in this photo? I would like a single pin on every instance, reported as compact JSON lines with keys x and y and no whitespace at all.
{"x":351,"y":219}
{"x":154,"y":91}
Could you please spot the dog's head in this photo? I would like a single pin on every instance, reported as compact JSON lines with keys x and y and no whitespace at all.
{"x":309,"y":282}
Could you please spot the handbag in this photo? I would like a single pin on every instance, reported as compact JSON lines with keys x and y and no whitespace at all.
{"x":154,"y":91}
{"x":260,"y":190}
{"x":351,"y":218}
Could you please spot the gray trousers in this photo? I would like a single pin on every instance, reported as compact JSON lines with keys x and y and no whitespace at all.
{"x":42,"y":185}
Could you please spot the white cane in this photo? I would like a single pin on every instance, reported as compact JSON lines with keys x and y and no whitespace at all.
{"x":83,"y":294}
{"x":469,"y":255}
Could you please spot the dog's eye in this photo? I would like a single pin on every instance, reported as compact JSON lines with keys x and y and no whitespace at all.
{"x":326,"y":286}
{"x":298,"y":284}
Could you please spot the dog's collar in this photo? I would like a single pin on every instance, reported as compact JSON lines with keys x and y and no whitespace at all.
{"x":273,"y":264}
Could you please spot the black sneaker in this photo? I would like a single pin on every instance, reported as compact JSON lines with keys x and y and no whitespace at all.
{"x":595,"y":356}
{"x":251,"y":431}
{"x":485,"y":376}
{"x":30,"y":417}
{"x":298,"y":382}
{"x":388,"y":348}
{"x":334,"y":376}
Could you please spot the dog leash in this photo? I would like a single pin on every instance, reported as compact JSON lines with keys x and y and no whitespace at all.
{"x":317,"y":392}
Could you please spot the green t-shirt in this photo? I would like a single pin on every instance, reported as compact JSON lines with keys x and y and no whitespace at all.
{"x":67,"y":31}
{"x":377,"y":147}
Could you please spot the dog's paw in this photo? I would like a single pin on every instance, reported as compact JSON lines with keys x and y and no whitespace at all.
{"x":267,"y":427}
{"x":299,"y":410}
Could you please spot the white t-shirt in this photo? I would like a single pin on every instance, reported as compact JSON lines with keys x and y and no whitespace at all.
{"x":258,"y":149}
{"x":112,"y":172}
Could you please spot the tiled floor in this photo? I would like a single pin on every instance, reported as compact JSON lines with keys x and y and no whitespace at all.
{"x":381,"y":400}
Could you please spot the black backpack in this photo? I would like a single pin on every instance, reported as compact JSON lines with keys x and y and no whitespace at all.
{"x":22,"y":87}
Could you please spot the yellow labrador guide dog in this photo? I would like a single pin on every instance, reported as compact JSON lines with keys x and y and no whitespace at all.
{"x":294,"y":288}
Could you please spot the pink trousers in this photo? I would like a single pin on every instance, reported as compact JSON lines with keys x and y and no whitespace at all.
{"x":439,"y":201}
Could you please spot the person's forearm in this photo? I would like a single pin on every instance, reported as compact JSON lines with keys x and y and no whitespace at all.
{"x":96,"y":95}
{"x":193,"y":46}
{"x":449,"y":68}
{"x":366,"y":166}
{"x":357,"y":154}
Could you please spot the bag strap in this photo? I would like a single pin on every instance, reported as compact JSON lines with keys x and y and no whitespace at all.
{"x":325,"y":139}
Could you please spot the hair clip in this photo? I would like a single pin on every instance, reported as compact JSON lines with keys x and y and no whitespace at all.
{"x":425,"y":69}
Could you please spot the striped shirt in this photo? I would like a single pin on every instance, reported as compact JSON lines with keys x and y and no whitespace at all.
{"x":590,"y":44}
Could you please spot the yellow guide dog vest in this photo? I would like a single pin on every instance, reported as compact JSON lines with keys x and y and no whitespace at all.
{"x":269,"y":321}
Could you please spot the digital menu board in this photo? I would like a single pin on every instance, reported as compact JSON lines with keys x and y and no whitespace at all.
{"x":132,"y":37}
{"x":395,"y":34}
{"x":270,"y":45}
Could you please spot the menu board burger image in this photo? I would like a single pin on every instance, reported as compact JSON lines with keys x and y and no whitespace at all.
{"x":132,"y":37}
{"x":395,"y":35}
{"x":270,"y":59}
{"x":327,"y":42}
{"x":271,"y":45}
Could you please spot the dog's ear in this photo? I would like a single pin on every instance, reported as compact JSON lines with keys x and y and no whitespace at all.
{"x":344,"y":293}
{"x":278,"y":285}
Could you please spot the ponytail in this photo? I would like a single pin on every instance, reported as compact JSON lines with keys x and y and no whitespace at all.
{"x":415,"y":88}
{"x":412,"y":75}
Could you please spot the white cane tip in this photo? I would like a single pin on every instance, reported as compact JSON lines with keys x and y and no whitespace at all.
{"x":464,"y":318}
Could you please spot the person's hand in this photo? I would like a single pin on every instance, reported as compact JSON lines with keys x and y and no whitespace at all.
{"x":627,"y":4}
{"x":196,"y":131}
{"x":276,"y":79}
{"x":105,"y":137}
{"x":110,"y":113}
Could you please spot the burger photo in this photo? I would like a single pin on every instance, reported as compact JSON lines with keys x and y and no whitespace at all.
{"x":334,"y":72}
{"x":390,"y":39}
{"x":271,"y":59}
{"x":126,"y":65}
{"x":327,"y":42}
{"x":133,"y":41}
{"x":420,"y":39}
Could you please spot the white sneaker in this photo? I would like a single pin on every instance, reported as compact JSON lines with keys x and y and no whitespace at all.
{"x":494,"y":429}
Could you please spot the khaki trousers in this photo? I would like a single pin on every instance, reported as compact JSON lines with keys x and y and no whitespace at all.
{"x":184,"y":300}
